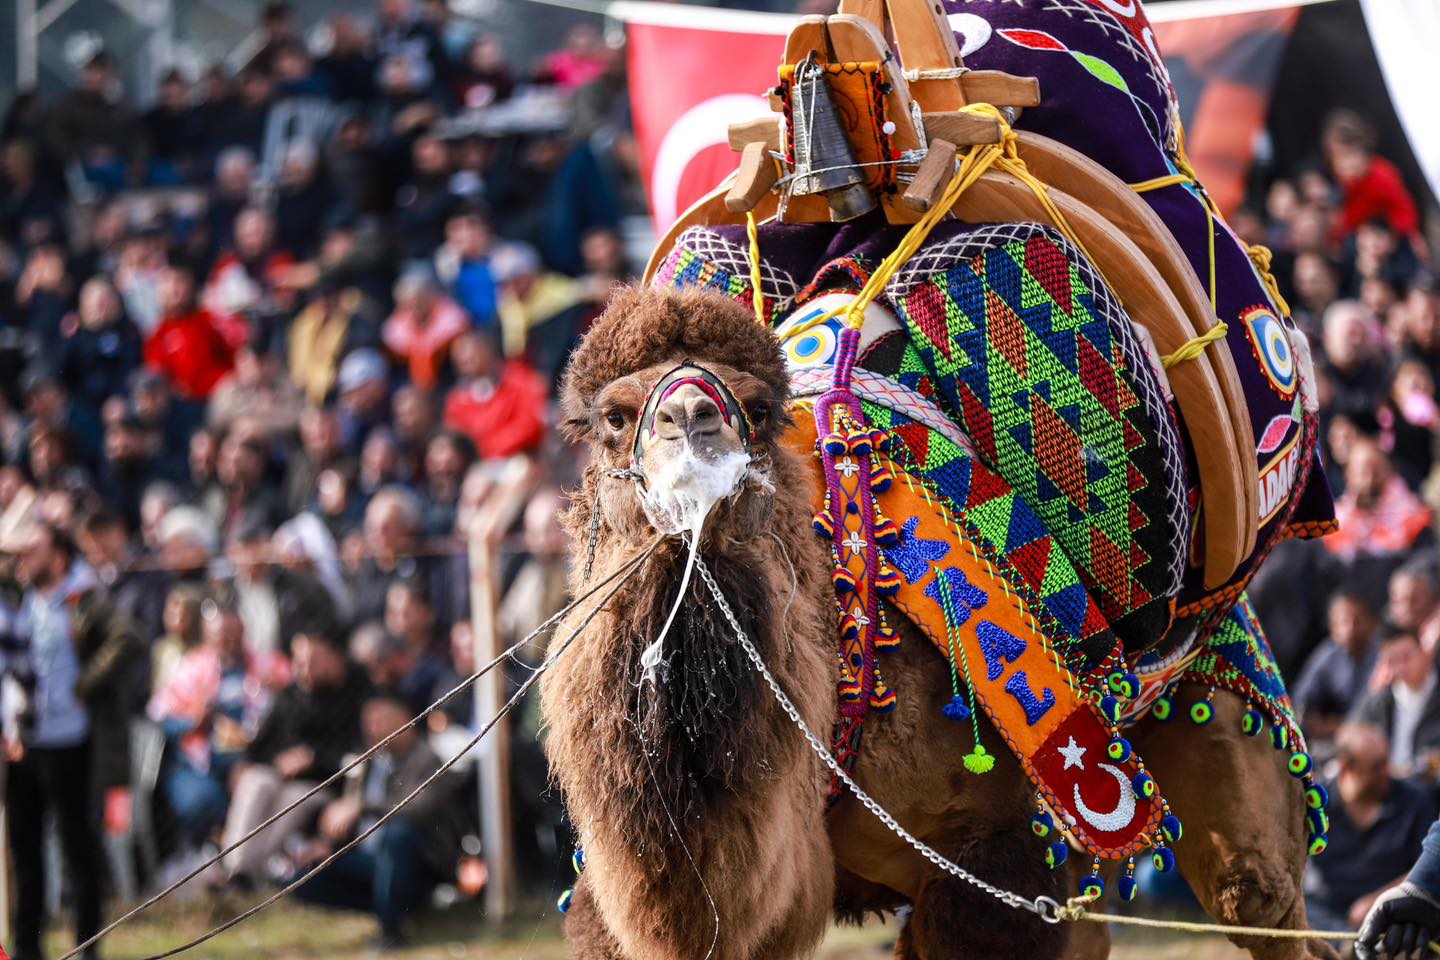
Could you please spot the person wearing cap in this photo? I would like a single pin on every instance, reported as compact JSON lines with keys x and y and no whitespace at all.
{"x":314,"y":723}
{"x":363,"y":384}
{"x":540,"y":312}
{"x":425,"y":322}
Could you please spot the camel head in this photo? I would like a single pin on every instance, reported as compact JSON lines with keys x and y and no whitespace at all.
{"x":681,"y":395}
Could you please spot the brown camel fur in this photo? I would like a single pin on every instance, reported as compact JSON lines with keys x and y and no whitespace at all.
{"x":701,"y":809}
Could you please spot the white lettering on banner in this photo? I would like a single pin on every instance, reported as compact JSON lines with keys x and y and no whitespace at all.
{"x":1278,"y":478}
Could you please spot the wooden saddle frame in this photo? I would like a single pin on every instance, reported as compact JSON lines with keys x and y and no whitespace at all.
{"x":1134,"y":250}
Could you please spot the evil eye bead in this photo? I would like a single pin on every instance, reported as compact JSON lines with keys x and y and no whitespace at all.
{"x":1056,"y":854}
{"x":1318,"y":845}
{"x":1093,"y":886}
{"x":1300,"y":764}
{"x":1124,"y":685}
{"x":1280,"y":736}
{"x":1201,"y":712}
{"x":1170,"y":828}
{"x":577,"y":860}
{"x":1163,"y":859}
{"x":1162,"y":709}
{"x":1317,"y":797}
{"x":1318,"y":822}
{"x":1252,"y":723}
{"x":562,"y":903}
{"x":1042,"y":825}
{"x":835,"y":445}
{"x":1144,"y":785}
{"x":1110,"y":707}
{"x":1127,"y":888}
{"x":1118,"y":750}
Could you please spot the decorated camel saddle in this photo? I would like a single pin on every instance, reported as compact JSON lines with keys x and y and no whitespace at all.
{"x":1058,"y":410}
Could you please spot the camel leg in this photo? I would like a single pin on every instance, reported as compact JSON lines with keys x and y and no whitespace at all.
{"x":953,"y":920}
{"x":585,"y":931}
{"x":1244,"y":843}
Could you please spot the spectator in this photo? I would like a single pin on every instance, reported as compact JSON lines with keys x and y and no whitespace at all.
{"x":320,"y":449}
{"x":413,"y":418}
{"x":304,"y":203}
{"x":81,"y":654}
{"x":1407,"y":707}
{"x":395,"y":869}
{"x":1376,"y":825}
{"x":28,"y":199}
{"x":244,"y":280}
{"x":249,"y":496}
{"x":1378,"y":514}
{"x":390,"y":539}
{"x":92,"y":126}
{"x":101,"y":348}
{"x":1413,"y":598}
{"x":303,"y":740}
{"x":483,"y":77}
{"x":448,"y":456}
{"x":350,"y":64}
{"x":425,"y":202}
{"x":425,"y":322}
{"x":277,"y":30}
{"x":363,"y":383}
{"x":178,"y":138}
{"x":497,"y":404}
{"x":182,"y":625}
{"x":234,"y":180}
{"x":188,"y":347}
{"x":335,"y":322}
{"x":211,"y":706}
{"x":540,"y":312}
{"x":1355,"y":361}
{"x":412,"y":43}
{"x":1372,"y":185}
{"x":579,"y":62}
{"x":463,"y":265}
{"x":138,"y":594}
{"x":256,"y":389}
{"x":243,"y":122}
{"x":1334,"y":676}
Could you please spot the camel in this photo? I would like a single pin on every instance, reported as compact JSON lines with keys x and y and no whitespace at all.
{"x":701,"y":810}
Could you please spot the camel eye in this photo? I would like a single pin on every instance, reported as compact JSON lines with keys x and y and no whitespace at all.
{"x":615,"y":419}
{"x":759,"y":413}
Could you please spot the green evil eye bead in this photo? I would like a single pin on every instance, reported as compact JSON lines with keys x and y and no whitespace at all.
{"x":1316,"y":797}
{"x":1144,"y":785}
{"x":1170,"y":828}
{"x":1162,"y":709}
{"x":1093,"y":887}
{"x":1110,"y":707}
{"x":562,"y":903}
{"x":1279,"y":736}
{"x":1118,"y":750}
{"x":1318,"y":845}
{"x":1300,"y":764}
{"x":1164,"y":859}
{"x":1042,"y":825}
{"x":1252,"y":723}
{"x":1056,"y":854}
{"x":577,"y":860}
{"x":1201,"y":713}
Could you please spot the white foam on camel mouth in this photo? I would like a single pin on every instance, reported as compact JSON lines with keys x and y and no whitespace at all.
{"x":678,"y":498}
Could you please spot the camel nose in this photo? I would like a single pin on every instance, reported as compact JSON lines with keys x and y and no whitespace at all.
{"x":689,"y":412}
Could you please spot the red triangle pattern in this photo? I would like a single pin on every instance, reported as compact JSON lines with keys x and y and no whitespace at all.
{"x":1057,"y":451}
{"x":1050,"y":269}
{"x":916,"y":437}
{"x":1032,"y":560}
{"x":1107,"y":563}
{"x":985,"y":485}
{"x":978,"y":422}
{"x":1098,"y":376}
{"x":926,"y":306}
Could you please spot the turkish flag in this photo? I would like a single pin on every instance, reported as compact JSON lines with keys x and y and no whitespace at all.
{"x":687,"y":85}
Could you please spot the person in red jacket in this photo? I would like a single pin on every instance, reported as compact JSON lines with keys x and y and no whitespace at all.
{"x":1372,"y":186}
{"x":187,"y":347}
{"x":500,"y":406}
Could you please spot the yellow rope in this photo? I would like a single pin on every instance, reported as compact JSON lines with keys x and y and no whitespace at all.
{"x":1192,"y":349}
{"x":1170,"y":180}
{"x":756,"y":294}
{"x":1260,"y":256}
{"x":976,"y":161}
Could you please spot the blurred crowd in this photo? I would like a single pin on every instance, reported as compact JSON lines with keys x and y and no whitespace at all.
{"x":270,"y":347}
{"x":273,"y":345}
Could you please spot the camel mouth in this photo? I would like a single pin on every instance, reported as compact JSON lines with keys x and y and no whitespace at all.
{"x":685,"y":480}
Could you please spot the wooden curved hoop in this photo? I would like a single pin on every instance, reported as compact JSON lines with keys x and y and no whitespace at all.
{"x":1224,"y":449}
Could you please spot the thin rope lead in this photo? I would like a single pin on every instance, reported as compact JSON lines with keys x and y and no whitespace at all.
{"x":756,"y":294}
{"x":626,"y":568}
{"x":439,"y":772}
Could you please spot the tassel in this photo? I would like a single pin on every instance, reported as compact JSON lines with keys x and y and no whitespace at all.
{"x":1042,"y":825}
{"x":1056,"y":854}
{"x":1279,"y":735}
{"x":835,"y":445}
{"x":824,"y":524}
{"x":978,"y":761}
{"x":1162,"y":708}
{"x":1124,"y":685}
{"x":577,"y":860}
{"x":1119,"y":750}
{"x":1201,"y":712}
{"x":1170,"y":827}
{"x":887,"y":581}
{"x":880,"y":478}
{"x":1252,"y":722}
{"x":844,"y":580}
{"x":1300,"y":764}
{"x":957,"y":709}
{"x":886,"y":533}
{"x":1163,"y":859}
{"x":1128,"y":888}
{"x":563,"y":902}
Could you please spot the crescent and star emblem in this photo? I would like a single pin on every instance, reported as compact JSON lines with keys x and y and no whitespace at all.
{"x":1124,"y":811}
